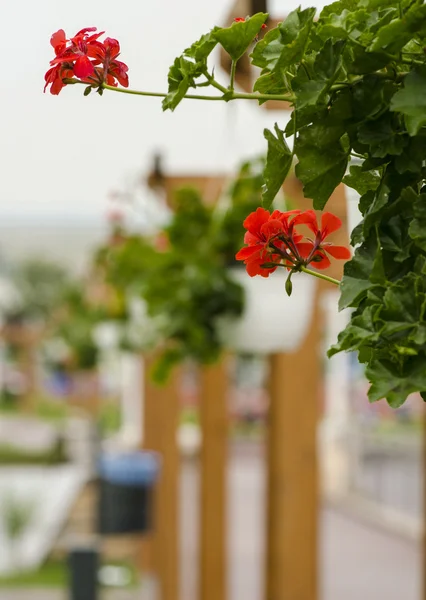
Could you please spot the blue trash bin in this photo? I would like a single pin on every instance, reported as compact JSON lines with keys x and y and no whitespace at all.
{"x":127,"y":482}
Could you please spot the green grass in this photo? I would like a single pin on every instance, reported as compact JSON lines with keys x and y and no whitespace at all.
{"x":53,"y":574}
{"x":413,"y":427}
{"x":110,"y":417}
{"x":11,"y":455}
{"x":46,"y":409}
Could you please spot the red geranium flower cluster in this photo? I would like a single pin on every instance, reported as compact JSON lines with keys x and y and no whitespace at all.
{"x":84,"y":58}
{"x":273,"y":240}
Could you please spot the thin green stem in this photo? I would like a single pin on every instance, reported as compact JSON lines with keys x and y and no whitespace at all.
{"x":215,"y":83}
{"x":156,"y":94}
{"x":232,"y":79}
{"x":255,"y":96}
{"x":320,"y":275}
{"x":225,"y":98}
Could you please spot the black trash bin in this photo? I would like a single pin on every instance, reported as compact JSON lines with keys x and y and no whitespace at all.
{"x":126,"y":492}
{"x":83,"y":565}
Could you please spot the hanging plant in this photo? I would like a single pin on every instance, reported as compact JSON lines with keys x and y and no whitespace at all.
{"x":356,"y":78}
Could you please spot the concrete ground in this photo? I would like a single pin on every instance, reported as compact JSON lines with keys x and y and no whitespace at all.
{"x":357,"y":561}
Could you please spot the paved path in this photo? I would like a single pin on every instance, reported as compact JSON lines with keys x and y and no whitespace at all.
{"x":357,"y":561}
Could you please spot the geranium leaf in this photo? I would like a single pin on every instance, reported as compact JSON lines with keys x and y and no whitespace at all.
{"x":417,"y":229}
{"x":286,"y":44}
{"x":411,"y":100}
{"x":361,"y":181}
{"x":278,"y":163}
{"x":236,"y":39}
{"x":181,"y":77}
{"x":396,"y":384}
{"x":202,"y":48}
{"x":319,"y":169}
{"x":362,"y":273}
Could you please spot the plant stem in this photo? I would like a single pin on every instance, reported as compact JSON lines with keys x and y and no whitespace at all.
{"x":320,"y":275}
{"x":255,"y":96}
{"x":233,"y":71}
{"x":215,"y":83}
{"x":224,"y":98}
{"x":156,"y":94}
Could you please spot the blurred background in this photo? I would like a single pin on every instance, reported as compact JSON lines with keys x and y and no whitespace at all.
{"x":258,"y":469}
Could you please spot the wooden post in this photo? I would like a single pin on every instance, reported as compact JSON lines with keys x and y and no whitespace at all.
{"x":292,"y":493}
{"x":159,"y":551}
{"x":214,"y":424}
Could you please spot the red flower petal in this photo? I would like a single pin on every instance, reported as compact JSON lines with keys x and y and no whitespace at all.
{"x":304,"y":249}
{"x":329,"y":223}
{"x":250,"y":239}
{"x":255,"y":220}
{"x":56,"y":86}
{"x":248,"y":252}
{"x":253,"y":268}
{"x":271,"y":228}
{"x":58,"y":40}
{"x":83,"y":67}
{"x":113,"y":46}
{"x":84,"y":31}
{"x":322,"y":262}
{"x":308,"y":218}
{"x":338,"y":251}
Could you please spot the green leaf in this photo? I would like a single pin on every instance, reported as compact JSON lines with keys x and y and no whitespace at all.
{"x":394,"y":237}
{"x":361,"y":181}
{"x":338,"y":7}
{"x":396,"y":384}
{"x":379,"y":203}
{"x":236,"y":39}
{"x":285,"y":45}
{"x":278,"y":163}
{"x":411,"y":100}
{"x":382,"y":136}
{"x":201,"y":49}
{"x":404,"y":305}
{"x":319,"y":169}
{"x":181,"y":77}
{"x":362,"y":273}
{"x":393,"y":37}
{"x":339,"y":26}
{"x":417,"y":230}
{"x":360,"y":331}
{"x":310,"y":91}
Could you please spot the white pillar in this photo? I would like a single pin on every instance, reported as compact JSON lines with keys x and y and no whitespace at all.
{"x":132,"y":399}
{"x":337,"y":410}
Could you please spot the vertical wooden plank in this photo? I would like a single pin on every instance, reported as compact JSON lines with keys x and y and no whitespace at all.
{"x":292,"y":492}
{"x":214,"y":424}
{"x":161,"y":414}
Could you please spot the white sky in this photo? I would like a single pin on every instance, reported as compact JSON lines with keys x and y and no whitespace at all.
{"x":62,"y":155}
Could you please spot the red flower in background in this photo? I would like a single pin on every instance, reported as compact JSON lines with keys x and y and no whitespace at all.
{"x":272,"y":240}
{"x":264,"y":236}
{"x":316,"y":250}
{"x":84,"y":58}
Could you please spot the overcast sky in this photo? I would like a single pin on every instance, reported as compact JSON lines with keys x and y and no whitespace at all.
{"x":63,"y":155}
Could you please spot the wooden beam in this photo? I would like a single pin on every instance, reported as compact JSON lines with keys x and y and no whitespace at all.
{"x":258,"y":6}
{"x":161,"y":415}
{"x":292,"y":491}
{"x":214,"y":424}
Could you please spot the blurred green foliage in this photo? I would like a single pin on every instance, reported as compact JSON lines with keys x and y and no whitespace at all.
{"x":182,"y":274}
